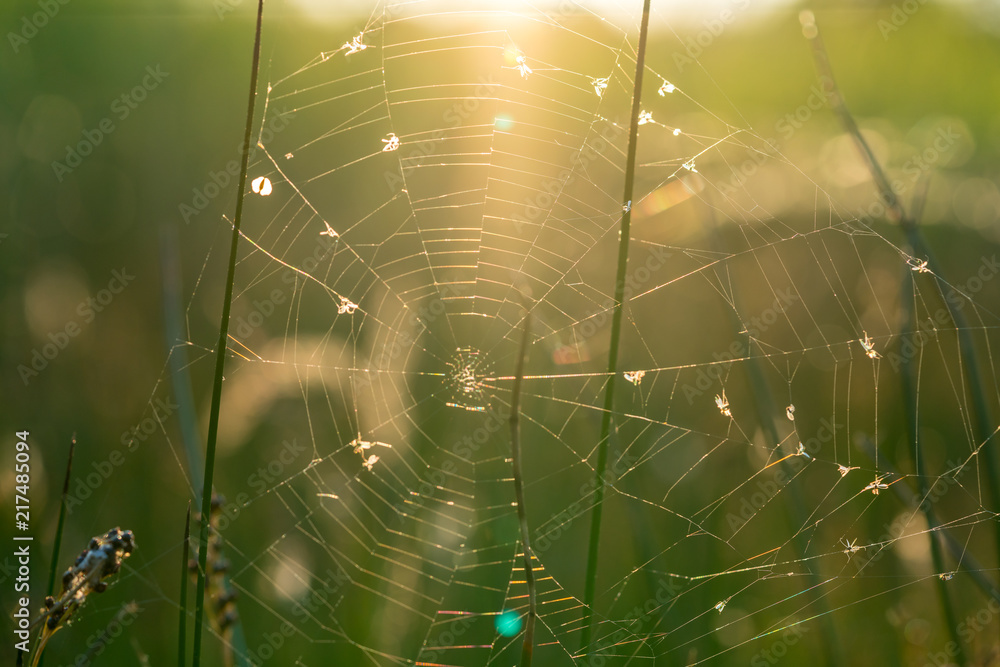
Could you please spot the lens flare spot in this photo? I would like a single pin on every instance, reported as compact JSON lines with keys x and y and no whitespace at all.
{"x":503,"y":122}
{"x":508,"y":623}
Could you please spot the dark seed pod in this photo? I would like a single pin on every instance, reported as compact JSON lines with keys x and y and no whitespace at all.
{"x":100,"y":560}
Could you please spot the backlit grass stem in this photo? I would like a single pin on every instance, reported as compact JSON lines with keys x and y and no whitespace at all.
{"x":593,"y":550}
{"x":795,"y":514}
{"x":970,"y":363}
{"x":528,"y":647}
{"x":964,"y":561}
{"x":185,"y":573}
{"x":54,"y":568}
{"x":220,"y":355}
{"x":910,"y":386}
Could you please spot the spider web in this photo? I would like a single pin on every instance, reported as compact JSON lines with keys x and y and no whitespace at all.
{"x":439,"y":170}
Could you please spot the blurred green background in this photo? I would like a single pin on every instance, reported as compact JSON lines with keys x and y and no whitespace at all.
{"x":62,"y":239}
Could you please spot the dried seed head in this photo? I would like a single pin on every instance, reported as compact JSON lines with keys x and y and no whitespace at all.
{"x":101,"y":559}
{"x":217,"y":590}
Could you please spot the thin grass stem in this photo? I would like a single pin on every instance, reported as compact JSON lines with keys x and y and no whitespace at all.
{"x":57,"y":544}
{"x":795,"y":515}
{"x":967,"y":350}
{"x":54,"y":568}
{"x":528,"y":647}
{"x":964,"y":561}
{"x":185,"y":573}
{"x":220,"y":354}
{"x":911,"y":389}
{"x":593,"y":550}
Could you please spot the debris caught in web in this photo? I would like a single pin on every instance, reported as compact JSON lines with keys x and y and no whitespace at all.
{"x":261,"y":185}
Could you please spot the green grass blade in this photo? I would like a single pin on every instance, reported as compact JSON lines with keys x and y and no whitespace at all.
{"x":909,"y":384}
{"x":965,"y":562}
{"x":528,"y":647}
{"x":57,"y":543}
{"x":593,"y":550}
{"x":185,"y":572}
{"x":220,"y":356}
{"x":54,"y":568}
{"x":983,"y":429}
{"x":795,"y":516}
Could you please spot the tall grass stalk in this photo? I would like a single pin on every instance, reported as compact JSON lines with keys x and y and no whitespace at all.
{"x":910,"y":387}
{"x":57,"y":544}
{"x":982,"y":428}
{"x":54,"y":568}
{"x":795,"y":515}
{"x":220,"y":354}
{"x":964,"y":561}
{"x":594,"y":547}
{"x":185,"y":573}
{"x":528,"y":646}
